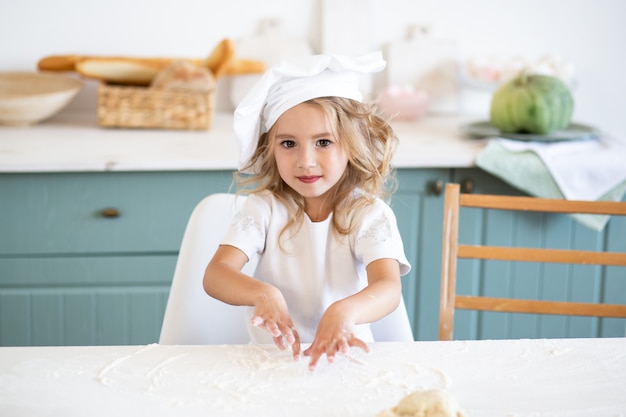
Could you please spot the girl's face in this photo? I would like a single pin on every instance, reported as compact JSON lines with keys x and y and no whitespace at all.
{"x":308,"y":156}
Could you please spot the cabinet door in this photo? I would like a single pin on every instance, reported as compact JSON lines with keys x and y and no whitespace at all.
{"x":63,"y":212}
{"x":89,"y":300}
{"x":69,"y":276}
{"x":534,"y":280}
{"x":418,"y":205}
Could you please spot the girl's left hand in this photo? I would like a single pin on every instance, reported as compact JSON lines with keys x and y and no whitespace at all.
{"x":334,"y":334}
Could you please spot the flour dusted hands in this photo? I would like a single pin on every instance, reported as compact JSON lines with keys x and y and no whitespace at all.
{"x":335,"y":334}
{"x":224,"y":280}
{"x":271,"y":314}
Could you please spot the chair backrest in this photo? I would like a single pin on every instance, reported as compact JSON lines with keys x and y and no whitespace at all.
{"x":194,"y":318}
{"x":191,"y":316}
{"x":453,"y":250}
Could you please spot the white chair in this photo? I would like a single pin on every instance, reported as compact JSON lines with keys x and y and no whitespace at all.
{"x":194,"y":318}
{"x":191,"y":316}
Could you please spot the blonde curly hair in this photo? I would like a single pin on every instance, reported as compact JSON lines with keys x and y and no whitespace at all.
{"x":369,"y":142}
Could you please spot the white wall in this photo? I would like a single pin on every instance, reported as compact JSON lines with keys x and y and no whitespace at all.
{"x":590,"y":34}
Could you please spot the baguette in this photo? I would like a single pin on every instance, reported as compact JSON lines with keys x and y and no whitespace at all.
{"x":59,"y":63}
{"x":221,"y":57}
{"x":130,"y":71}
{"x":141,"y":71}
{"x":244,"y":66}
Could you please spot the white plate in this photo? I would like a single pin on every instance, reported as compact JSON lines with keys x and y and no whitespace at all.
{"x":575,"y":131}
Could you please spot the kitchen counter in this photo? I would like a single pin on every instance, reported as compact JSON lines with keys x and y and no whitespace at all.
{"x":73,"y":142}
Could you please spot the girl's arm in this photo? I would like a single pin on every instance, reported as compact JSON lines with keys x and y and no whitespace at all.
{"x":335,"y":332}
{"x":224,"y":281}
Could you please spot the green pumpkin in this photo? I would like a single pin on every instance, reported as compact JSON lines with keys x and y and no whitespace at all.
{"x":532,"y":103}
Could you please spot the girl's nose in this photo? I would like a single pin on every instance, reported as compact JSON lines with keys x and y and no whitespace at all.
{"x":306,"y":157}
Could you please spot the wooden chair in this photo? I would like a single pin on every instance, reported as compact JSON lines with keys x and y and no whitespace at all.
{"x":452,"y":250}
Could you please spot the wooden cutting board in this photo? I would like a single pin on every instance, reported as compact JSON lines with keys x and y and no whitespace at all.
{"x":424,"y":62}
{"x":269,"y":45}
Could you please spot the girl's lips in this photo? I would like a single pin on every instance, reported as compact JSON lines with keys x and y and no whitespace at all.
{"x":309,"y":179}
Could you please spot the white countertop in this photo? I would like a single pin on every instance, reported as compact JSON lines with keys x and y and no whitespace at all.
{"x":73,"y":142}
{"x":490,"y":378}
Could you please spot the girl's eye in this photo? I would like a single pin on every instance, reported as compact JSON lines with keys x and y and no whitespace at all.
{"x":323,"y":143}
{"x":288,"y":144}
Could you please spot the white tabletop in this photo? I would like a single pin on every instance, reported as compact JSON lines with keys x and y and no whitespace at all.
{"x":521,"y":378}
{"x":72,"y":142}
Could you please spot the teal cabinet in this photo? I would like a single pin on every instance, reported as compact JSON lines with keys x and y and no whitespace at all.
{"x":47,"y":214}
{"x":585,"y":283}
{"x":88,"y":258}
{"x":418,"y":205}
{"x":83,"y":300}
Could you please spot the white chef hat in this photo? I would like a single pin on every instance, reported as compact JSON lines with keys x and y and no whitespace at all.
{"x":293,"y":82}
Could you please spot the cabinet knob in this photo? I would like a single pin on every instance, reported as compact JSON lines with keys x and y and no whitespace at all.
{"x":436,"y":187}
{"x":467,"y":186}
{"x":110,"y":213}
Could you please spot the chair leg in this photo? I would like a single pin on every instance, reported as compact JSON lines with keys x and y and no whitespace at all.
{"x":448,"y":261}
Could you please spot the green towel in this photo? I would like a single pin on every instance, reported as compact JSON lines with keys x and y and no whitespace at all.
{"x":527,"y":172}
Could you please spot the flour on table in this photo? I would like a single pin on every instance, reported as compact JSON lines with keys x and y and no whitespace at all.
{"x":425,"y":403}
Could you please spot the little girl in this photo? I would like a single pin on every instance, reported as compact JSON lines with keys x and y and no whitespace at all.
{"x":315,"y":161}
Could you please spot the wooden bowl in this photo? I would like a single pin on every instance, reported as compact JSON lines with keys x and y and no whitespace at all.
{"x":27,"y":98}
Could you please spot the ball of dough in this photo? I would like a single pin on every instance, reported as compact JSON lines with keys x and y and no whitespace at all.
{"x":426,"y":403}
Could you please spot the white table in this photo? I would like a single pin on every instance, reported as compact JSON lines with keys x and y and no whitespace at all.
{"x":565,"y":377}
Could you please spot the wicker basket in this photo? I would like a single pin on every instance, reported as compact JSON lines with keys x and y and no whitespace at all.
{"x":142,"y":107}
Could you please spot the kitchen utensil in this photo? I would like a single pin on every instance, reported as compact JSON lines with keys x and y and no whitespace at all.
{"x":425,"y":62}
{"x":575,"y":131}
{"x":27,"y":98}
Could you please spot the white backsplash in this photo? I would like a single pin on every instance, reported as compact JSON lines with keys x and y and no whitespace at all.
{"x":192,"y":28}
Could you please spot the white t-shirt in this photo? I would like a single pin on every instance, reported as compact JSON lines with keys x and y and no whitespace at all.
{"x":312,"y":268}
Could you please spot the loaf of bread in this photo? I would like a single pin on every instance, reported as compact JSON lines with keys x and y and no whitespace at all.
{"x":59,"y":63}
{"x":221,"y":57}
{"x":244,"y":66}
{"x":121,"y":70}
{"x":184,"y":76}
{"x":141,"y":71}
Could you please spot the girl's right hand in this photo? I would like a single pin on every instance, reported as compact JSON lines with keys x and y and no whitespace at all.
{"x":271,"y":314}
